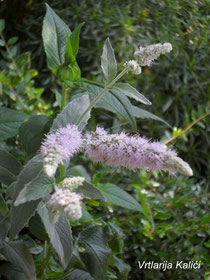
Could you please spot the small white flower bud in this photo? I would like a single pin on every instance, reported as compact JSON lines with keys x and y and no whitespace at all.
{"x":72,"y":183}
{"x":133,"y":66}
{"x":65,"y":203}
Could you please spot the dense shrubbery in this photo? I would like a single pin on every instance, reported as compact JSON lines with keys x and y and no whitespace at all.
{"x":174,"y":222}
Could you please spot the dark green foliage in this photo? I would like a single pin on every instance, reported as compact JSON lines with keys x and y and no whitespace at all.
{"x":127,"y":217}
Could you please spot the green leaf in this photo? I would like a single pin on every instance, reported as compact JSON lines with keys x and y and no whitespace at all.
{"x":78,"y":170}
{"x":162,"y":216}
{"x":122,"y":267}
{"x":130,"y":91}
{"x":108,"y":62}
{"x":10,"y":121}
{"x":12,"y":41}
{"x":2,"y":24}
{"x":21,"y":214}
{"x":79,"y":275}
{"x":18,"y":254}
{"x":143,"y":114}
{"x":60,"y":235}
{"x":118,"y":197}
{"x":3,"y":206}
{"x":23,"y":62}
{"x":144,"y":205}
{"x":86,"y":217}
{"x":112,"y":101}
{"x":72,"y":112}
{"x":37,"y":228}
{"x":96,"y":252}
{"x":115,"y":238}
{"x":58,"y":97}
{"x":11,"y":272}
{"x":54,"y":38}
{"x":88,"y":190}
{"x":4,"y":228}
{"x":9,"y":167}
{"x":1,"y":43}
{"x":72,"y":45}
{"x":31,"y":133}
{"x":40,"y":187}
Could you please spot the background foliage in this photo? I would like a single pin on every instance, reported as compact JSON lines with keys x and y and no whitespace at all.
{"x":178,"y":87}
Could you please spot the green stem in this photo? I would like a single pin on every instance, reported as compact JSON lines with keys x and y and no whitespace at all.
{"x":187,"y":128}
{"x":63,"y":100}
{"x":62,"y":171}
{"x":107,"y":88}
{"x":41,"y":271}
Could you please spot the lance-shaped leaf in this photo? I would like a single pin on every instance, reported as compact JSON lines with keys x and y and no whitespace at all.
{"x":54,"y":38}
{"x":130,"y":91}
{"x":119,"y":197}
{"x":32,"y":131}
{"x":112,"y":101}
{"x":21,"y":214}
{"x":18,"y":254}
{"x":108,"y":62}
{"x":37,"y":188}
{"x":10,"y":121}
{"x":9,"y":167}
{"x":72,"y":113}
{"x":72,"y":45}
{"x":97,"y":253}
{"x":88,"y":190}
{"x":79,"y":274}
{"x":143,"y":114}
{"x":60,"y":235}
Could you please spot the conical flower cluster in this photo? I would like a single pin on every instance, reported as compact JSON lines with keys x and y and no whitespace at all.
{"x":59,"y":146}
{"x":133,"y":152}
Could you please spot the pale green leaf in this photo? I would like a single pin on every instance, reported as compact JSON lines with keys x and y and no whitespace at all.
{"x":119,"y":197}
{"x":108,"y":62}
{"x":130,"y":91}
{"x":54,"y":38}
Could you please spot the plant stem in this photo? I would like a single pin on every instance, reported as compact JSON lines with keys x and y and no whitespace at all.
{"x":187,"y":128}
{"x":45,"y":262}
{"x":63,"y":100}
{"x":107,"y":88}
{"x":62,"y":171}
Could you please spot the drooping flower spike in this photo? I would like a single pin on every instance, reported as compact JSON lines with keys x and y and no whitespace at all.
{"x":59,"y":146}
{"x":133,"y":152}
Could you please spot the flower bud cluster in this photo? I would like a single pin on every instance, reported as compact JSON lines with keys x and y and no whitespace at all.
{"x":72,"y":183}
{"x":132,"y":152}
{"x":146,"y":55}
{"x":64,"y":203}
{"x":59,"y":146}
{"x":133,"y":66}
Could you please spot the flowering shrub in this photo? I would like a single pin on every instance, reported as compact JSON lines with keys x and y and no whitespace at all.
{"x":46,"y":193}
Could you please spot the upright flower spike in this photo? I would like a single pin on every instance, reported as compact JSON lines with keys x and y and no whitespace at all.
{"x":133,"y":152}
{"x":59,"y":146}
{"x":146,"y":55}
{"x":64,"y":203}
